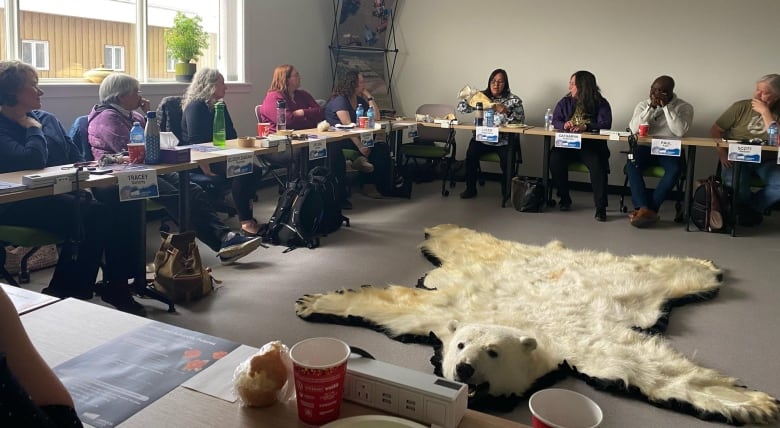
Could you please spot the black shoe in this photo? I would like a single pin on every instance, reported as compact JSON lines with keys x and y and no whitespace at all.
{"x":124,"y":302}
{"x":469,"y":193}
{"x":601,"y":214}
{"x":564,"y":206}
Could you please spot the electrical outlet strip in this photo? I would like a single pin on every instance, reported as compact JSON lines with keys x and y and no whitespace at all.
{"x":410,"y":394}
{"x":44,"y":179}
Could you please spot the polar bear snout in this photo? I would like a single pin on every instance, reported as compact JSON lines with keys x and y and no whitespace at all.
{"x":463,"y":372}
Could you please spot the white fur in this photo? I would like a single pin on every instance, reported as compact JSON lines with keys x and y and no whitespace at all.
{"x":579,"y":306}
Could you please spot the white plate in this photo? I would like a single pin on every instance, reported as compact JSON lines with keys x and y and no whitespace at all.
{"x":350,"y":126}
{"x":373,"y":421}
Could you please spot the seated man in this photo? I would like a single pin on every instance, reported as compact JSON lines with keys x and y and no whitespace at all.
{"x":109,"y":132}
{"x":667,"y":116}
{"x":746,"y":120}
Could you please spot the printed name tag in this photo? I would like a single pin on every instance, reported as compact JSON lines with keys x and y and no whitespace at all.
{"x":744,"y":153}
{"x":282,"y":146}
{"x":240,"y":163}
{"x":568,"y":140}
{"x":412,"y":132}
{"x":487,"y":134}
{"x":662,"y":147}
{"x":367,"y":138}
{"x":63,"y":184}
{"x":614,"y":136}
{"x":137,"y":184}
{"x":318,"y":149}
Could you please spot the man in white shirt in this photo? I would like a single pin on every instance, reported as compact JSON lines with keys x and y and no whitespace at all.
{"x":667,"y":116}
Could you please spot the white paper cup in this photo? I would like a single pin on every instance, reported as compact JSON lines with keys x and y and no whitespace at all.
{"x":561,"y":408}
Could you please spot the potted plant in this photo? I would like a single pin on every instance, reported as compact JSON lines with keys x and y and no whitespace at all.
{"x":185,"y":42}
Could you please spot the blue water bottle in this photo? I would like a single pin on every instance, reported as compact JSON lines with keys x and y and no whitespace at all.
{"x":489,"y":115}
{"x":152,"y":139}
{"x":359,"y":112}
{"x":478,"y":115}
{"x":772,"y":136}
{"x":370,"y":114}
{"x":137,"y":134}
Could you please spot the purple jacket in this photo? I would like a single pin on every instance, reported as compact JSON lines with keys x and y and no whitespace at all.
{"x":109,"y":130}
{"x":564,"y":110}
{"x":312,"y":112}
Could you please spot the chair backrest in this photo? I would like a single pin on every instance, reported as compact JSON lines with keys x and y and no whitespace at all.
{"x":79,"y":134}
{"x":258,"y":111}
{"x":169,"y":115}
{"x":435,"y":111}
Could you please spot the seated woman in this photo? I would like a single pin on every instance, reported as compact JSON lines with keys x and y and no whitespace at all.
{"x":583,"y":109}
{"x":508,"y":109}
{"x":109,"y":132}
{"x":32,"y":395}
{"x":208,"y":87}
{"x":340,"y":109}
{"x":33,"y":139}
{"x":303,"y":112}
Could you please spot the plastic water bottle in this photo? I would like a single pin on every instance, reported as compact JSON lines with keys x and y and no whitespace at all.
{"x":772,"y":136}
{"x":359,"y":113}
{"x":370,"y":114}
{"x":489,"y":115}
{"x":151,"y":139}
{"x":281,"y":115}
{"x":218,"y":133}
{"x":478,"y":115}
{"x":137,"y":134}
{"x":548,"y":126}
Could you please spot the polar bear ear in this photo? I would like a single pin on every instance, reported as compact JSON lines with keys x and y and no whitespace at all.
{"x":452,"y":326}
{"x":529,"y":343}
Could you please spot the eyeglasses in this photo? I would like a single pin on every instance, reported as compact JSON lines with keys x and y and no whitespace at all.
{"x":497,"y":82}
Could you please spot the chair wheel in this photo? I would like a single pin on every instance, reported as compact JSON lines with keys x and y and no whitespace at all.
{"x":624,"y":209}
{"x":445,"y":193}
{"x":24,"y":277}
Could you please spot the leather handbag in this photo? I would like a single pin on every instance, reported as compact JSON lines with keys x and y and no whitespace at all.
{"x":178,"y":270}
{"x":527,"y":194}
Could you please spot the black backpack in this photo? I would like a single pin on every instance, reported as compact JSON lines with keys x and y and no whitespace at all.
{"x":711,"y":209}
{"x":307,"y":210}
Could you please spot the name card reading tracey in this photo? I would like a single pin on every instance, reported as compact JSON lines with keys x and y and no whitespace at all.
{"x":137,"y":184}
{"x":487,"y":134}
{"x":663,"y":147}
{"x":744,"y":153}
{"x":318,"y":149}
{"x":568,"y":140}
{"x":239,"y":162}
{"x":367,"y":138}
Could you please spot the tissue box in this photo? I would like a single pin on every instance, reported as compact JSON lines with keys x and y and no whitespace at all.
{"x":178,"y":154}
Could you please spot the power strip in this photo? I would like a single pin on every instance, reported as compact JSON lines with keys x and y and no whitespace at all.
{"x":410,"y":394}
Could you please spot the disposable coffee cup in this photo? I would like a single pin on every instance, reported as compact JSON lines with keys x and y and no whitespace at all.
{"x":561,"y":408}
{"x":643,"y":129}
{"x":263,"y":129}
{"x":363,"y":122}
{"x":319,"y":369}
{"x":136,"y":152}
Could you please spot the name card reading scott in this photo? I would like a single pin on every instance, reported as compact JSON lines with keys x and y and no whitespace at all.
{"x":568,"y":140}
{"x":487,"y":134}
{"x":367,"y":138}
{"x":318,"y":149}
{"x":137,"y":184}
{"x":663,"y":147}
{"x":744,"y":153}
{"x":239,"y":162}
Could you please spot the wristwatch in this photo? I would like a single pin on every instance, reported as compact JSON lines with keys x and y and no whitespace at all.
{"x":370,"y":99}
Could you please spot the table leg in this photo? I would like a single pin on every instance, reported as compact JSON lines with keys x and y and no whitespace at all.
{"x":184,"y":201}
{"x":734,"y":193}
{"x":546,"y":169}
{"x":689,"y":183}
{"x":510,"y":169}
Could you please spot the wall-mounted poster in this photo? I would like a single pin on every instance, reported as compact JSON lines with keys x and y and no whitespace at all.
{"x":365,"y":23}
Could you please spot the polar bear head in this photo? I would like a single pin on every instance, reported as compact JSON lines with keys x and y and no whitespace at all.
{"x":500,"y":358}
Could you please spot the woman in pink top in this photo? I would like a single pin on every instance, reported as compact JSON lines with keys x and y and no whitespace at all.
{"x":303,"y":112}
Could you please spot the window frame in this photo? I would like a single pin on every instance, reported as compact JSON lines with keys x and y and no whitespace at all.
{"x":114,"y":49}
{"x":34,"y":45}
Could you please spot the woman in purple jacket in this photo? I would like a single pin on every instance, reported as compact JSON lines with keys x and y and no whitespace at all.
{"x":583,"y":109}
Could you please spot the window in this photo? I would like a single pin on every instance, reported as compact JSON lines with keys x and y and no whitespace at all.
{"x":36,"y":53}
{"x":63,"y":42}
{"x":114,"y":57}
{"x":170,"y":63}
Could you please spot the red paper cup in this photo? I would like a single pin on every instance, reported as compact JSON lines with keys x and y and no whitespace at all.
{"x":319,"y":368}
{"x":363,"y":122}
{"x":643,"y":129}
{"x":561,"y":408}
{"x":135,"y":152}
{"x":263,"y":129}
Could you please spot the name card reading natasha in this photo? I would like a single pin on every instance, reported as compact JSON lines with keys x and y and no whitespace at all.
{"x":744,"y":153}
{"x":487,"y":134}
{"x":367,"y":138}
{"x":137,"y":184}
{"x":318,"y":149}
{"x":664,"y":147}
{"x":568,"y":140}
{"x":239,"y":162}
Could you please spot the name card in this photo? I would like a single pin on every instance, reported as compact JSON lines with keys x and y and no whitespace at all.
{"x":487,"y":134}
{"x":240,"y":163}
{"x":63,"y":184}
{"x":282,"y":147}
{"x":367,"y":138}
{"x":137,"y":184}
{"x":411,"y":132}
{"x":614,"y":136}
{"x":318,"y":149}
{"x":663,"y":147}
{"x":568,"y":140}
{"x":744,"y":153}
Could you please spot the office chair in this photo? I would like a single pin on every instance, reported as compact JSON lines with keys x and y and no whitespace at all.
{"x":433,"y":145}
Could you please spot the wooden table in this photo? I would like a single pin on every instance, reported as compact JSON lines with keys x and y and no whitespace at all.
{"x":57,"y":331}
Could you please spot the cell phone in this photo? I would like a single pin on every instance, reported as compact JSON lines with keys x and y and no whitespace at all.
{"x":100,"y":171}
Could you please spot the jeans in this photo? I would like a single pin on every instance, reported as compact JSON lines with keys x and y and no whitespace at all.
{"x":769,"y":172}
{"x":639,"y":193}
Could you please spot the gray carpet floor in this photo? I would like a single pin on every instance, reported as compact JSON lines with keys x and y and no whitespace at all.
{"x":736,"y":333}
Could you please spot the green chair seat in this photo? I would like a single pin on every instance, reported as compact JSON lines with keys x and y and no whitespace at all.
{"x":578,"y":167}
{"x":423,"y":151}
{"x":350,"y":154}
{"x":490,"y":157}
{"x":22,"y":236}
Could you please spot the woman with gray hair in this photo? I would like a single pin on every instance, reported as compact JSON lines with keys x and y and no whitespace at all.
{"x":197,"y":126}
{"x":120,"y":100}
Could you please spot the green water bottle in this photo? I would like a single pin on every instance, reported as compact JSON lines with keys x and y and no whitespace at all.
{"x":218,"y":137}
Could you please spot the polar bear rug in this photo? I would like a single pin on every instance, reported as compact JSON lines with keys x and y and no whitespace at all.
{"x":589,"y":314}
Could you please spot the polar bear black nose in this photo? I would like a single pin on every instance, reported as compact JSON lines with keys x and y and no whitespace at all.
{"x":464,"y":371}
